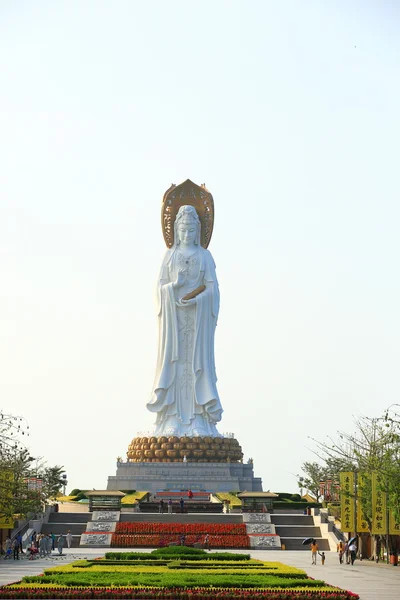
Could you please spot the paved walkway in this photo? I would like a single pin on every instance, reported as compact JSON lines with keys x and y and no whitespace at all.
{"x":12,"y":570}
{"x":369,"y":580}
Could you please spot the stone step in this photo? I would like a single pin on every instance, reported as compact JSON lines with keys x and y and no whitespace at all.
{"x":296,"y":544}
{"x":60,"y":528}
{"x":288,"y":511}
{"x":70,"y":517}
{"x":291,"y":531}
{"x":292,"y":519}
{"x":190,"y":507}
{"x":177,"y":495}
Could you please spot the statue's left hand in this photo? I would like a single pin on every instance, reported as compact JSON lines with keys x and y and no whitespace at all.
{"x":181,"y":302}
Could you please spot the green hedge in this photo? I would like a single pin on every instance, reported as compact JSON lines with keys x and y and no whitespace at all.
{"x":180,"y":552}
{"x":295,"y":505}
{"x":174,"y":550}
{"x":173,"y":579}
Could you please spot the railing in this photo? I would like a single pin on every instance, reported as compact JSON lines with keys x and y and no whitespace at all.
{"x":325,"y":518}
{"x":23,"y":528}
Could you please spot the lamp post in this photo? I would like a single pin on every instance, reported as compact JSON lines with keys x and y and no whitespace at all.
{"x":65,"y":482}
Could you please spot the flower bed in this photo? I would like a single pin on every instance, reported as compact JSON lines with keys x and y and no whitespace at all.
{"x":156,"y":540}
{"x":182,"y":528}
{"x":196,"y":593}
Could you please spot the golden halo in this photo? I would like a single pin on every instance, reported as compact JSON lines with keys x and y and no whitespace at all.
{"x":193,"y":195}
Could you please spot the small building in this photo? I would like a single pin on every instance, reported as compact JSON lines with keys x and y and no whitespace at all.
{"x":257,"y":501}
{"x":104,"y":500}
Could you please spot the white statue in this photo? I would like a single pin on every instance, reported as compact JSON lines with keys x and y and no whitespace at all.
{"x":185,"y":395}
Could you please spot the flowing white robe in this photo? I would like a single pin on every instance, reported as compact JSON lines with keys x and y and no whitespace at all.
{"x":185,"y":395}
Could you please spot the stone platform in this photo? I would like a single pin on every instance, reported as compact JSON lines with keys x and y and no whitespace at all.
{"x":213,"y":477}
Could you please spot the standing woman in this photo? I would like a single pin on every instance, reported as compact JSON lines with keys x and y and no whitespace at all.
{"x":15,"y":549}
{"x":60,"y":544}
{"x":69,"y":538}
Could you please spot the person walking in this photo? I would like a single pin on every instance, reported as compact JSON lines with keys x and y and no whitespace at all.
{"x":182,"y":505}
{"x":42,"y":546}
{"x":170,"y":506}
{"x":19,"y":540}
{"x":15,"y":549}
{"x":68,"y":537}
{"x":322,"y":555}
{"x":161,"y":507}
{"x":340,"y":551}
{"x":347,"y":553}
{"x":314,"y":552}
{"x":353,"y":552}
{"x":53,"y":541}
{"x":60,"y":544}
{"x":207,"y":542}
{"x":8,"y":548}
{"x":48,"y":544}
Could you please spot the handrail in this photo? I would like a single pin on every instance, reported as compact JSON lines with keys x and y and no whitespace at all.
{"x":324,"y":514}
{"x":24,"y":528}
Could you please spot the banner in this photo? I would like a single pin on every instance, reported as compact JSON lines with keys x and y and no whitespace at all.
{"x":347,"y":501}
{"x":394,"y":526}
{"x":6,"y":491}
{"x":379,"y":524}
{"x":362,"y":525}
{"x":6,"y":523}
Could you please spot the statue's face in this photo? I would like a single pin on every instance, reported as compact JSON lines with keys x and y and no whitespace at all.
{"x":187,"y":233}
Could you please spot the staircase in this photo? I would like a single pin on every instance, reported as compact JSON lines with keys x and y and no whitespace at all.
{"x":294,"y":527}
{"x":61,"y":523}
{"x":200,"y":503}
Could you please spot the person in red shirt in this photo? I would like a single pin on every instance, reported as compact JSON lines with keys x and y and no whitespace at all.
{"x":190,"y":494}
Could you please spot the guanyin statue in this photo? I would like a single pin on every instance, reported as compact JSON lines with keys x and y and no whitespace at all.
{"x":185,"y":395}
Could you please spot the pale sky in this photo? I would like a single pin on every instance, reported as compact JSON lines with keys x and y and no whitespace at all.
{"x":289,"y":112}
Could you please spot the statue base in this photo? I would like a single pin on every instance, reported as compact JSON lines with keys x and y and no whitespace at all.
{"x":179,"y":476}
{"x":184,"y":449}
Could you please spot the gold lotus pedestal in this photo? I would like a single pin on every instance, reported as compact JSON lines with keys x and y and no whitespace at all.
{"x":184,"y":449}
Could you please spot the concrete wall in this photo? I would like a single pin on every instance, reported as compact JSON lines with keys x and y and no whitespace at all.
{"x":72,"y":507}
{"x":213,"y":477}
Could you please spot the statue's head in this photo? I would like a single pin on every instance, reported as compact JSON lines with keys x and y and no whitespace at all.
{"x":187,"y":226}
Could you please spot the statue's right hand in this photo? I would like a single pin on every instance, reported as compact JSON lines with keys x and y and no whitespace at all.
{"x":180,"y":279}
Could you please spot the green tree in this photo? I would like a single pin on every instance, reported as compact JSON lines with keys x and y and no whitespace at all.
{"x":26,"y":483}
{"x":373,"y":447}
{"x":52,"y":482}
{"x":313,"y":474}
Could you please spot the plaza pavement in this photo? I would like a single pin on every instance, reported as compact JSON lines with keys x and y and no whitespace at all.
{"x":371,"y":581}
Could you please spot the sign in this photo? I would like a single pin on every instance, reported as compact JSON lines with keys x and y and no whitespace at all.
{"x":362,"y":525}
{"x":347,"y":501}
{"x":379,"y":525}
{"x":6,"y":523}
{"x":34,"y":484}
{"x":394,"y":526}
